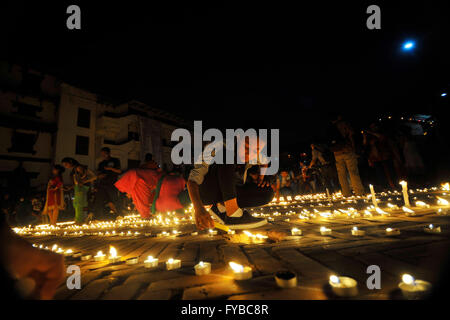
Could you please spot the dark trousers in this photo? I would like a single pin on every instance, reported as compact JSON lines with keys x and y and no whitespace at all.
{"x":220,"y":184}
{"x":105,"y":193}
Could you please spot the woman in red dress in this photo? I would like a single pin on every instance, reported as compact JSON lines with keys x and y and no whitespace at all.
{"x":143,"y":185}
{"x":55,"y":199}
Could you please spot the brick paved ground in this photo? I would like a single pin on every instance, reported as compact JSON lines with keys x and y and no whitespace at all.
{"x":312,"y":256}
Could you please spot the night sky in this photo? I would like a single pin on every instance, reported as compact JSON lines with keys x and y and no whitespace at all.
{"x":267,"y":65}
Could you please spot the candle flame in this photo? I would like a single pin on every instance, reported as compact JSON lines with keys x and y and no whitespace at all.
{"x":334,"y":279}
{"x":150,"y":258}
{"x":408,"y":279}
{"x":389,"y":229}
{"x":442,"y":201}
{"x":408,"y":210}
{"x":236,"y":267}
{"x":355,"y":228}
{"x":99,"y":254}
{"x":431,"y":226}
{"x":170,"y":260}
{"x":446,"y":186}
{"x":380,"y":211}
{"x":112,"y":252}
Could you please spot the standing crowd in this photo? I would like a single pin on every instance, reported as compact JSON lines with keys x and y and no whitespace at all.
{"x":346,"y":159}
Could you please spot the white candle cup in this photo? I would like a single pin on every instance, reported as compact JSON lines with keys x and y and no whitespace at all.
{"x":114,"y":259}
{"x":133,"y":260}
{"x":202,"y":268}
{"x":77,"y":254}
{"x":172,"y":264}
{"x":151,"y":262}
{"x":86,"y":257}
{"x":358,"y":233}
{"x":343,"y":286}
{"x":100,"y":256}
{"x":432,"y":229}
{"x":68,"y":253}
{"x":414,"y":289}
{"x":392,"y":231}
{"x":296,"y":232}
{"x":240,"y":272}
{"x":286,"y":279}
{"x":325,"y":231}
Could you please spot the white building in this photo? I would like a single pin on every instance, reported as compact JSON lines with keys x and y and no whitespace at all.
{"x":44,"y":121}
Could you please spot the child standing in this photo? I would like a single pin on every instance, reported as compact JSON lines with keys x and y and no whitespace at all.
{"x":55,"y":199}
{"x":82,"y":179}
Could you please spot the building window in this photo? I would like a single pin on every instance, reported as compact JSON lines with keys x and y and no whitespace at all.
{"x":25,"y":109}
{"x":82,"y":145}
{"x":84,"y":118}
{"x":23,"y":142}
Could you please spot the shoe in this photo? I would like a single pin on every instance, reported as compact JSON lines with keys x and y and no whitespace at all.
{"x":246,"y":221}
{"x":216,"y":214}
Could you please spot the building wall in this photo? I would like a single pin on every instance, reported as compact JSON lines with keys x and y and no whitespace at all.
{"x":71,"y":100}
{"x":44,"y":96}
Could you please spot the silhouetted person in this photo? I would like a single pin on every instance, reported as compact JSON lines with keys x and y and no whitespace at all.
{"x":344,"y":148}
{"x":108,"y":172}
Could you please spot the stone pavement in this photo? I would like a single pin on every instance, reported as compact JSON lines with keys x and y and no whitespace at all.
{"x":312,"y":256}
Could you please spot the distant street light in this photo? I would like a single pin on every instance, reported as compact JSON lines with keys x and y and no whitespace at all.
{"x":408,"y":45}
{"x":443,"y":94}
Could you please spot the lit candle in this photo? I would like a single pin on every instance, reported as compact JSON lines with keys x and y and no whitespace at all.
{"x":240,"y":272}
{"x":414,"y":288}
{"x":77,"y":254}
{"x":408,"y":212}
{"x":113,"y":257}
{"x":151,"y":262}
{"x":100,"y":256}
{"x":212,"y":232}
{"x":374,"y":198}
{"x":432,"y":229}
{"x":325,"y":231}
{"x":422,"y":204}
{"x":343,"y":286}
{"x":172,"y":264}
{"x":296,"y":232}
{"x":68,"y":252}
{"x":357,"y":233}
{"x":404,"y":185}
{"x":442,"y":202}
{"x":86,"y":257}
{"x":202,"y":268}
{"x":392,"y":231}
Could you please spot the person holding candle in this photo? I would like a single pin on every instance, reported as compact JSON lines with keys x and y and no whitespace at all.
{"x":55,"y":198}
{"x":217,"y":185}
{"x":19,"y":260}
